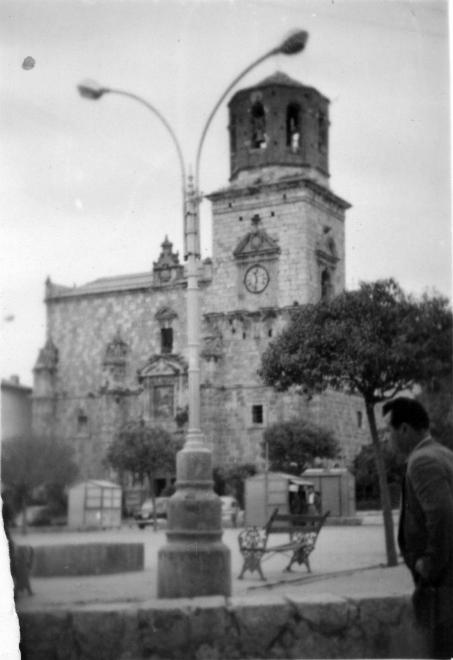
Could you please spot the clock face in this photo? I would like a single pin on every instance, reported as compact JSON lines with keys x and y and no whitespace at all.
{"x":256,"y":279}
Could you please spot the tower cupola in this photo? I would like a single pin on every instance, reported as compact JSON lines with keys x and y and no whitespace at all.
{"x":279,"y":127}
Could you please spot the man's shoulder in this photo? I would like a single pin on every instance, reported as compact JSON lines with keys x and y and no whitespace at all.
{"x":430,"y":452}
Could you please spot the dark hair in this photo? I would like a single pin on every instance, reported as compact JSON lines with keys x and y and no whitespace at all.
{"x":404,"y":410}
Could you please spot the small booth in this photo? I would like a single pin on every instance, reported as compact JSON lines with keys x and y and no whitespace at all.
{"x":94,"y":504}
{"x":335,"y":489}
{"x":264,"y":492}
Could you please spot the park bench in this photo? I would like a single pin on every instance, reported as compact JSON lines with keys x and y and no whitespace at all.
{"x":303,"y":532}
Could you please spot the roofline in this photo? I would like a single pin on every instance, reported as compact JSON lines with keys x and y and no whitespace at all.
{"x":290,"y":182}
{"x":276,"y":83}
{"x":9,"y":385}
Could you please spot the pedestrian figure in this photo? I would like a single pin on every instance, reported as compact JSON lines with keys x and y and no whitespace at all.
{"x":425,"y":535}
{"x":311,"y":501}
{"x":318,"y":505}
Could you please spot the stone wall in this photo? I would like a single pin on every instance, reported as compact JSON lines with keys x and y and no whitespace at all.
{"x":216,"y":629}
{"x":87,"y":559}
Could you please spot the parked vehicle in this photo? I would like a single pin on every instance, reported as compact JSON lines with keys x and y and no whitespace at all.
{"x":145,"y":515}
{"x":231,"y":514}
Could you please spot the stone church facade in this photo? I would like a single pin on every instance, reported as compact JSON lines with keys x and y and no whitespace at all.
{"x":116,"y":347}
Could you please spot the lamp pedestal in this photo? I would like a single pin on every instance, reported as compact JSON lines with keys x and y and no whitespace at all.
{"x":194,"y":562}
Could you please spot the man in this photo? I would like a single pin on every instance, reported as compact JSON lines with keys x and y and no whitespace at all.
{"x":425,"y":533}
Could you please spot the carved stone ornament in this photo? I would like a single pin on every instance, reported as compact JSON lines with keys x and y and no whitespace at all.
{"x":165,"y":266}
{"x":256,"y":243}
{"x":116,"y":351}
{"x":212,"y":346}
{"x":165,"y":315}
{"x":162,"y":365}
{"x":326,"y":250}
{"x":47,"y":357}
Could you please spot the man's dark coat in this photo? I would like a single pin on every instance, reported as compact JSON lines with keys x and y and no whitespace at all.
{"x":426,"y":523}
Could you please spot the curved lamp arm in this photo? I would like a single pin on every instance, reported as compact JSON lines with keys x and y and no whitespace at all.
{"x":92,"y":90}
{"x":294,"y":43}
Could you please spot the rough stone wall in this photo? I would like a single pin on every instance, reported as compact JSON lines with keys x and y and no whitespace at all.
{"x":81,"y":329}
{"x":293,"y":216}
{"x":213,"y":628}
{"x":82,"y":326}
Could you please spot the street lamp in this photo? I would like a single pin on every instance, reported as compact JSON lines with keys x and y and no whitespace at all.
{"x":194,"y":561}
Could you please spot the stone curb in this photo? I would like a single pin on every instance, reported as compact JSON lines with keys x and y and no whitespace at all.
{"x":216,"y":628}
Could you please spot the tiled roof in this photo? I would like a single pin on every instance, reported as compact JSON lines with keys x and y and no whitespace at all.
{"x":103,"y":285}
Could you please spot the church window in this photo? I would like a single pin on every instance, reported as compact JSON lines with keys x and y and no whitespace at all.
{"x":257,"y":414}
{"x":233,"y":134}
{"x":166,"y":336}
{"x":293,"y":127}
{"x":269,"y":332}
{"x":258,"y":126}
{"x":322,"y":131}
{"x":82,"y":422}
{"x":359,"y":419}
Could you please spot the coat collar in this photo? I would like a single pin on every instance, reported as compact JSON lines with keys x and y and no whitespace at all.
{"x":427,"y":440}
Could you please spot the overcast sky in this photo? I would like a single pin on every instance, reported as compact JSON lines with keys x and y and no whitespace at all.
{"x":90,"y":189}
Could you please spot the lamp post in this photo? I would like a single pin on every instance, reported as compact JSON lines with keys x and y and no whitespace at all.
{"x":194,"y":561}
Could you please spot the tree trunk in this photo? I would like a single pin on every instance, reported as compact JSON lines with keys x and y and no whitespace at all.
{"x":392,"y":559}
{"x":153,"y":498}
{"x":23,"y":510}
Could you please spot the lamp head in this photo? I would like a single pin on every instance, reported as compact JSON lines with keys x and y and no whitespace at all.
{"x":89,"y":89}
{"x":294,"y":43}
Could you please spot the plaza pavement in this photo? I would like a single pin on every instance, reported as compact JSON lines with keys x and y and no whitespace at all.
{"x":347,"y":561}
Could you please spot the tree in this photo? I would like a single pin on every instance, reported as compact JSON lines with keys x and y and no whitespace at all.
{"x":30,"y":462}
{"x":366,"y":477}
{"x":293,"y":445}
{"x":437,"y":397}
{"x":145,"y":452}
{"x":375,"y":341}
{"x":231,"y":480}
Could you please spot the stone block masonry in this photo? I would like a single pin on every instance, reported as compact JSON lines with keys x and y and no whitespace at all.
{"x":214,"y":628}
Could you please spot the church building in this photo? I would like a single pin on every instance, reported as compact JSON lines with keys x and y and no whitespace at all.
{"x":116,"y":348}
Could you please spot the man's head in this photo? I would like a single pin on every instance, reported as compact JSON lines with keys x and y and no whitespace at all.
{"x":408,"y":423}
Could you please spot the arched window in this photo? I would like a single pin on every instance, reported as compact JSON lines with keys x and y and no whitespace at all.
{"x":322,"y":131}
{"x":233,"y":134}
{"x":293,"y":126}
{"x":258,"y":126}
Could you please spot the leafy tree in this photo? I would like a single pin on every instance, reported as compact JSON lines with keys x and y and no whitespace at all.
{"x":375,"y":341}
{"x":30,"y":463}
{"x":145,"y":452}
{"x":293,"y":445}
{"x":437,"y":397}
{"x":366,"y":477}
{"x":231,"y":480}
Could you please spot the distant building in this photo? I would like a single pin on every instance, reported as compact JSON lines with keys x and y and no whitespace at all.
{"x":16,"y":408}
{"x":116,"y":347}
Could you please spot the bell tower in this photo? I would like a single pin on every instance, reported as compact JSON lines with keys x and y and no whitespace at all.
{"x":278,"y":229}
{"x":280,"y":124}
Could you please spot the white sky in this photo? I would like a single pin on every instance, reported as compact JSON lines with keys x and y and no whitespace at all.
{"x":89,"y":189}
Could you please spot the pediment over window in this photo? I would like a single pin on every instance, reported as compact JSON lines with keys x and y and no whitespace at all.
{"x":256,"y":243}
{"x":165,"y":314}
{"x":162,"y":365}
